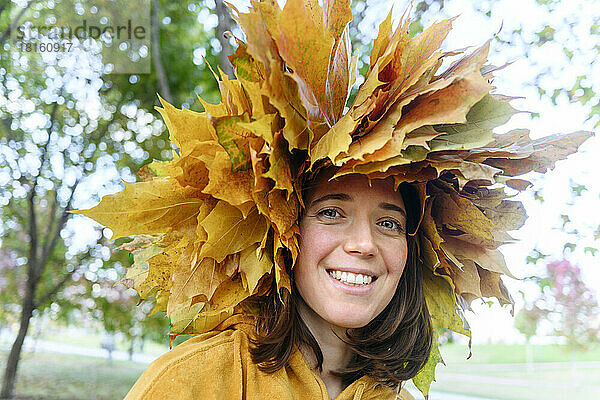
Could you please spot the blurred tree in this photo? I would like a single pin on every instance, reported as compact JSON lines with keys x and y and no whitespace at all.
{"x":567,"y":303}
{"x":526,"y":322}
{"x":68,"y":134}
{"x":571,"y":305}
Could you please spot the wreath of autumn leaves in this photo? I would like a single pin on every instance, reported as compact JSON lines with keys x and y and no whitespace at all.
{"x":211,"y":225}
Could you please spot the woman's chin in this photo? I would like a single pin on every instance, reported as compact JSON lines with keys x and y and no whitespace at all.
{"x":348,"y":319}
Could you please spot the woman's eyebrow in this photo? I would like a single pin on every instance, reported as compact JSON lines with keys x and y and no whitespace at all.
{"x":346,"y":197}
{"x":332,"y":196}
{"x":392,"y":207}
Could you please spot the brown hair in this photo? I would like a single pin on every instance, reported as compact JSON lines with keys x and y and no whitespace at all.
{"x":391,"y":349}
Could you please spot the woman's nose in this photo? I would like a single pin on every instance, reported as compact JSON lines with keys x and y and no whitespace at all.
{"x":359,"y":239}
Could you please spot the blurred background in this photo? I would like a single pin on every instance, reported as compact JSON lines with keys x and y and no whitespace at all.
{"x":77,"y":119}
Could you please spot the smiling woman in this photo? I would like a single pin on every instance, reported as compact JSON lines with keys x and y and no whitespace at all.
{"x":317,"y":248}
{"x":357,"y":306}
{"x":349,"y":233}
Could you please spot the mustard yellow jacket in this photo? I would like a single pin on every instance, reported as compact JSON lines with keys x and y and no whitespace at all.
{"x":217,"y":365}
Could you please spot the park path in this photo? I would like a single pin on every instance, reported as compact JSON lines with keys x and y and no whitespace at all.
{"x":45,"y":346}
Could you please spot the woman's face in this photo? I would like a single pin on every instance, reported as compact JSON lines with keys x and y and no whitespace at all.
{"x":352,"y":249}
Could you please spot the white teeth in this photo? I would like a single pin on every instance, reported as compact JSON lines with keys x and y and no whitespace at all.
{"x":350,"y":278}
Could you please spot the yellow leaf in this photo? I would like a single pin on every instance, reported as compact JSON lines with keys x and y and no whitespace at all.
{"x":420,"y":137}
{"x":150,"y":207}
{"x":279,"y":168}
{"x":260,"y":43}
{"x":384,"y":36}
{"x":254,"y":266}
{"x":281,"y":277}
{"x":204,"y":323}
{"x":391,"y":159}
{"x":160,"y":269}
{"x":199,"y":279}
{"x":162,"y":297}
{"x":457,"y":214}
{"x":337,"y":140}
{"x":466,"y":280}
{"x":283,"y":95}
{"x":228,"y":232}
{"x":282,"y":212}
{"x":183,"y":316}
{"x":137,"y":273}
{"x":228,"y":295}
{"x":261,"y":25}
{"x":465,"y":169}
{"x":234,"y":139}
{"x":185,"y":126}
{"x":426,"y":375}
{"x":264,"y":127}
{"x":233,"y":95}
{"x":213,"y":110}
{"x":376,"y":138}
{"x":386,"y":50}
{"x":492,"y":286}
{"x":337,"y":16}
{"x":418,"y":55}
{"x":507,"y":215}
{"x":201,"y":235}
{"x":477,"y":58}
{"x":448,"y":105}
{"x":233,"y":187}
{"x":305,"y":44}
{"x":192,"y":166}
{"x":428,"y":254}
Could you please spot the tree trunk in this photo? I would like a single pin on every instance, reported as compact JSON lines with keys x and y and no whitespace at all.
{"x":161,"y":75}
{"x":10,"y":373}
{"x":529,"y":356}
{"x":225,"y":23}
{"x":131,"y":348}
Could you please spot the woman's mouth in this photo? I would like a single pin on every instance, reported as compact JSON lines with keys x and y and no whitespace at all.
{"x":350,"y":278}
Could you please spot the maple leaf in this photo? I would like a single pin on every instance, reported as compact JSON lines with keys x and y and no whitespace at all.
{"x":229,"y":232}
{"x":440,"y":298}
{"x":185,"y":126}
{"x":146,"y":208}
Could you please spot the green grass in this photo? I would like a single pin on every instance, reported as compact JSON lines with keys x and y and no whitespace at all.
{"x":507,"y":353}
{"x":509,"y":378}
{"x":66,"y":377}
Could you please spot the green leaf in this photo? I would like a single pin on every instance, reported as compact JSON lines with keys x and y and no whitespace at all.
{"x":233,"y":138}
{"x":486,"y":114}
{"x":440,"y":299}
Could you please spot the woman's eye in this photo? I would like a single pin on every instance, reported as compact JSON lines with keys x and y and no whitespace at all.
{"x":329,"y":213}
{"x":391,"y":225}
